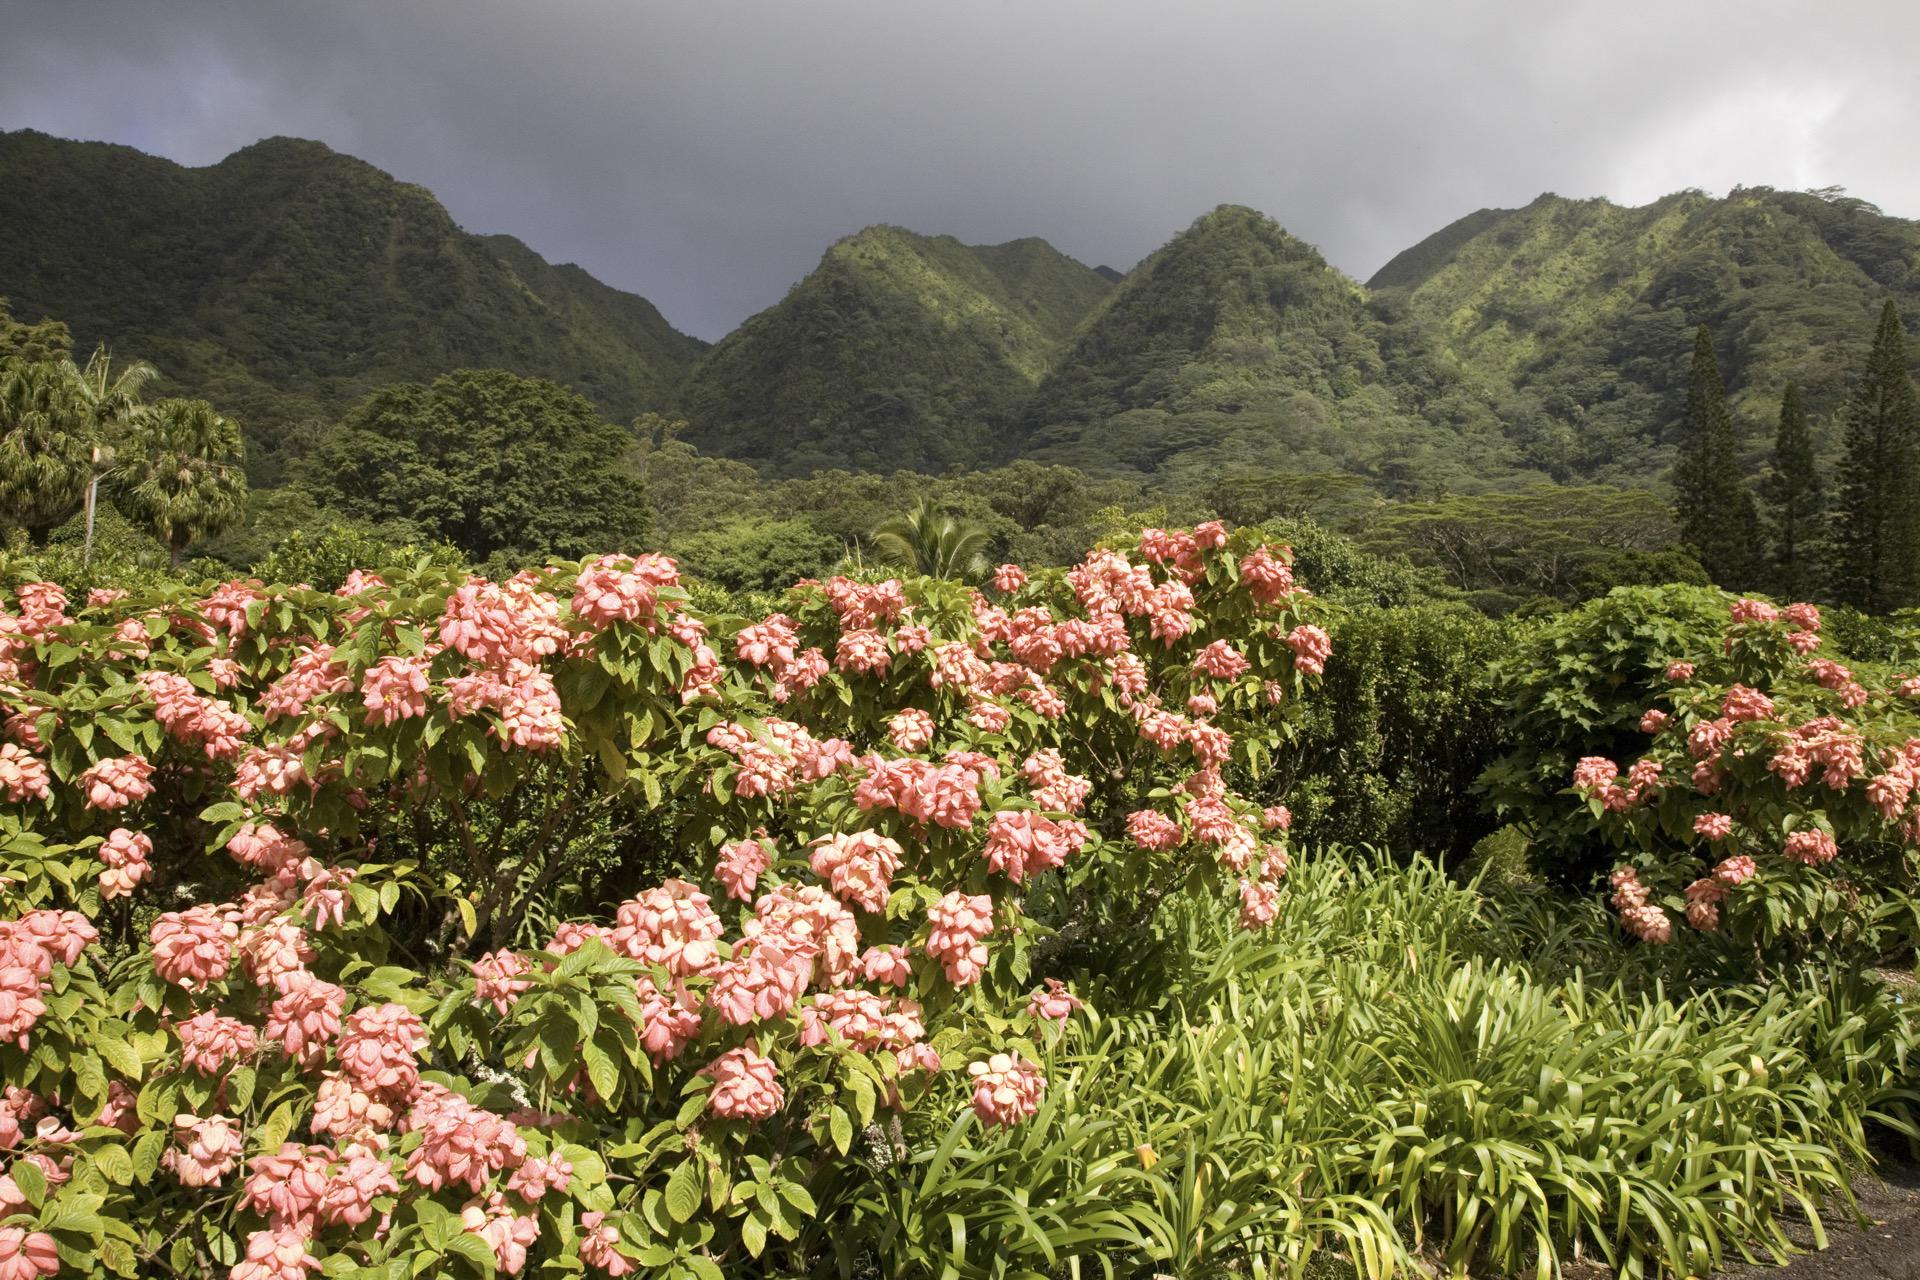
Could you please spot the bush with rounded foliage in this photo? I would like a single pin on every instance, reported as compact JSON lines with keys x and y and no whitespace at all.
{"x":1772,"y":797}
{"x":242,"y":1032}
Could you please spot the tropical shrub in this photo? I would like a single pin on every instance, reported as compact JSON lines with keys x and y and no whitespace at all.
{"x":269,"y":850}
{"x":1576,"y":685}
{"x":1404,"y":724}
{"x":1772,"y":796}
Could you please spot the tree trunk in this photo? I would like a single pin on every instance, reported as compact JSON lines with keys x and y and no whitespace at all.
{"x":86,"y":547}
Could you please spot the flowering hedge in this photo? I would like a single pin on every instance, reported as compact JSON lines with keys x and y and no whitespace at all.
{"x":1775,"y":801}
{"x":246,"y":1024}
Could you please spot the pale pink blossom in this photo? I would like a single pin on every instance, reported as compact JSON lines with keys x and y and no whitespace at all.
{"x":395,"y":689}
{"x":205,"y":1149}
{"x":1053,"y":1002}
{"x":353,"y":1187}
{"x":499,"y":977}
{"x":1152,"y":830}
{"x":1311,"y":648}
{"x":116,"y":782}
{"x":193,"y":948}
{"x":1006,"y":1089}
{"x":508,"y":1234}
{"x":599,"y":1245}
{"x":1811,"y":846}
{"x":740,"y":865}
{"x":746,"y":1085}
{"x":1713,"y":826}
{"x":460,"y":1144}
{"x":286,"y":1187}
{"x":378,"y":1050}
{"x":911,"y":729}
{"x":23,"y":776}
{"x":306,"y":1018}
{"x":859,"y":865}
{"x":958,"y":926}
{"x":279,"y":1253}
{"x":671,"y":924}
{"x":208,"y":1041}
{"x":1259,"y":904}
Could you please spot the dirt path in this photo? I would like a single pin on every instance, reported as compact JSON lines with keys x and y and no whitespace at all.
{"x":1889,"y":1249}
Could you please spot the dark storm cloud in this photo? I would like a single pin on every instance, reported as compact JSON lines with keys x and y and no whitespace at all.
{"x":704,"y":153}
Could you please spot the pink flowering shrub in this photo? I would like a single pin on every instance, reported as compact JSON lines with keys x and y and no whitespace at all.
{"x":281,"y":988}
{"x":1772,"y":798}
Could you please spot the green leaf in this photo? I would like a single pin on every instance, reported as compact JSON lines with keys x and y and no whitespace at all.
{"x":119,"y":1054}
{"x":601,"y":1071}
{"x":753,"y":1234}
{"x":474,"y":1250}
{"x":114,"y":1163}
{"x":31,"y":1180}
{"x":683,"y":1191}
{"x":841,"y":1126}
{"x":240,"y":1083}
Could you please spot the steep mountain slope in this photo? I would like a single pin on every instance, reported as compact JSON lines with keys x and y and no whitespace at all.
{"x":1587,"y":309}
{"x":288,"y":279}
{"x":1237,"y":346}
{"x":898,"y":350}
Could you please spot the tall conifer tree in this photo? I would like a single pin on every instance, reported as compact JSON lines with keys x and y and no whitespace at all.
{"x":1794,"y":498}
{"x":1714,"y":508}
{"x":1877,"y":525}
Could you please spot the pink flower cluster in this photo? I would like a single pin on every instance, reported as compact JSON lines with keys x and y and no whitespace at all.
{"x":958,"y":925}
{"x":124,"y":854}
{"x":460,"y":1144}
{"x":193,"y":719}
{"x":1641,"y":918}
{"x":1006,"y":1089}
{"x":946,"y":794}
{"x":623,"y":589}
{"x":859,"y":865}
{"x":1023,"y":843}
{"x":116,"y":782}
{"x":746,"y":1085}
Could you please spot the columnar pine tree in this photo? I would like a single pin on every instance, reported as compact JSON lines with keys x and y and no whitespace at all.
{"x":1877,"y":524}
{"x":1713,"y":506}
{"x":1794,"y":498}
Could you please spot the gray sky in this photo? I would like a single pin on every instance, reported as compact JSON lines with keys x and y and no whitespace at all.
{"x":705,"y":152}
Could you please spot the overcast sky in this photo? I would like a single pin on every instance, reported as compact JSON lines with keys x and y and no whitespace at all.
{"x":705,"y":152}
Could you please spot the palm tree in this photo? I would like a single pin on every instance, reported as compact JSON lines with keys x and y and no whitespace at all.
{"x":112,"y":402}
{"x":180,"y":472}
{"x":43,"y":444}
{"x":933,"y":541}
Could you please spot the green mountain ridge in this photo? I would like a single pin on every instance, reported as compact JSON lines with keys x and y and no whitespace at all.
{"x":1509,"y":348}
{"x":898,"y":350}
{"x":1586,"y":309}
{"x":1236,"y":345}
{"x":288,"y":280}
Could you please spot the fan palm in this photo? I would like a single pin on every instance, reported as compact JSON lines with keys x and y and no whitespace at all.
{"x":43,"y":444}
{"x":111,"y":403}
{"x":933,"y":541}
{"x":180,"y":472}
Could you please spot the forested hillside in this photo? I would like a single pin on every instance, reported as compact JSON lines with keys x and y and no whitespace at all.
{"x":898,"y":350}
{"x":1509,"y":349}
{"x":289,"y":280}
{"x":1238,"y":345}
{"x":1587,"y":311}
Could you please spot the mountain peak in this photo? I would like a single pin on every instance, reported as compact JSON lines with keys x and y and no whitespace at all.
{"x":899,"y":350}
{"x":289,"y":278}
